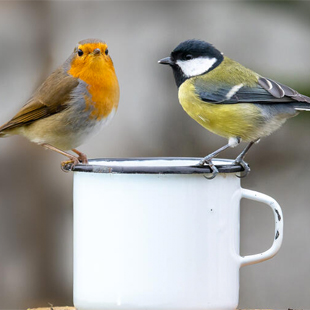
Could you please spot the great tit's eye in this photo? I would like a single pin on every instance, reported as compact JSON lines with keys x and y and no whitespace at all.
{"x":80,"y":52}
{"x":188,"y":57}
{"x":106,"y":52}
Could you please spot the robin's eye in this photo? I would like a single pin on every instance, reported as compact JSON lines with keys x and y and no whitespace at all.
{"x":80,"y":52}
{"x":106,"y":52}
{"x":189,"y":57}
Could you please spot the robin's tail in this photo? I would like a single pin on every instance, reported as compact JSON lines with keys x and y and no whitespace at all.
{"x":7,"y":129}
{"x":3,"y":134}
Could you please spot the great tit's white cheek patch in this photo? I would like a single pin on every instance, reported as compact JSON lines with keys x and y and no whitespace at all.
{"x":196,"y":66}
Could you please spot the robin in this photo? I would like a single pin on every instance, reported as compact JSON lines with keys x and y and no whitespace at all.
{"x":73,"y":103}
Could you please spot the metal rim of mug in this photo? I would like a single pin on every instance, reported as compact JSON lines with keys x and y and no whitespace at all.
{"x":223,"y":165}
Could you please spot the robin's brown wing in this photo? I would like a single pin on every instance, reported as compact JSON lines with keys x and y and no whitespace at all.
{"x":50,"y":98}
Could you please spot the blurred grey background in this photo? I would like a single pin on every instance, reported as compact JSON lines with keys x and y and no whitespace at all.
{"x":272,"y":38}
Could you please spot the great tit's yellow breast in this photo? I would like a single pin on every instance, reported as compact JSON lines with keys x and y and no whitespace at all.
{"x":226,"y":120}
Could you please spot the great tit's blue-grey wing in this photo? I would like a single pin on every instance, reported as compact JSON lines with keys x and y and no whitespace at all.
{"x":265,"y":91}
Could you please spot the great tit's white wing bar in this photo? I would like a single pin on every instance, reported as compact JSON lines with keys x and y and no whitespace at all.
{"x":214,"y":95}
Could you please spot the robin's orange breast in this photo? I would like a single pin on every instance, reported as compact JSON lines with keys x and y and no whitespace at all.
{"x":102,"y":86}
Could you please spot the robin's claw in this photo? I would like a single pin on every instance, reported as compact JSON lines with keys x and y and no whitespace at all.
{"x":82,"y":157}
{"x":68,"y":165}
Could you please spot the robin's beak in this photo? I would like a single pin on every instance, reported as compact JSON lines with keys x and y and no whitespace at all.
{"x":166,"y":61}
{"x":96,"y":51}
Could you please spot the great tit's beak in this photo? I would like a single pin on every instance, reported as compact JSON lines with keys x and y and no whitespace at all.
{"x":166,"y":61}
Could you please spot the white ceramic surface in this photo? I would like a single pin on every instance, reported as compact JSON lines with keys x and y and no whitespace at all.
{"x":160,"y":241}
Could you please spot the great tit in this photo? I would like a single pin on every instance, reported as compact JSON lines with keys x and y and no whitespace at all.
{"x":228,"y":99}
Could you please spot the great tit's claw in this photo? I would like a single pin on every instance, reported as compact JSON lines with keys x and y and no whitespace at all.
{"x":214,"y":174}
{"x":245,"y":166}
{"x":202,"y":163}
{"x":206,"y":160}
{"x":209,"y":162}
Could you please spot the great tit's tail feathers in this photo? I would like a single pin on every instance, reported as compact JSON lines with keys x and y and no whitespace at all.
{"x":289,"y":92}
{"x":302,"y":108}
{"x":302,"y":99}
{"x":303,"y":102}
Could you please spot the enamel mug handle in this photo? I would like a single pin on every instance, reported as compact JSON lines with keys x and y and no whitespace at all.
{"x":278,"y":217}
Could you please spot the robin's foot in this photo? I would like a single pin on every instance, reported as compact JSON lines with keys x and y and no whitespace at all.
{"x":82,"y":157}
{"x":73,"y":160}
{"x":68,"y":165}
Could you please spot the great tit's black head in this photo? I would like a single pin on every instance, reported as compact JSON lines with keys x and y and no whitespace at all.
{"x":192,"y":58}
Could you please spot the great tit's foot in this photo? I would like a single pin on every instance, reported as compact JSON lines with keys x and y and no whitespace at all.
{"x":214,"y":172}
{"x":208,"y":161}
{"x":244,"y":165}
{"x":68,"y":165}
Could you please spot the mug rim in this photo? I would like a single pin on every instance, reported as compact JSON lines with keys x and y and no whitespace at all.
{"x":223,"y":165}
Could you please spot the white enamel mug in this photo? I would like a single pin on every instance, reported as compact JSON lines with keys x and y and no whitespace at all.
{"x":154,"y":233}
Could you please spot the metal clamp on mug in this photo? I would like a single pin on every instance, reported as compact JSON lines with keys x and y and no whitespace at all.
{"x":154,"y":233}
